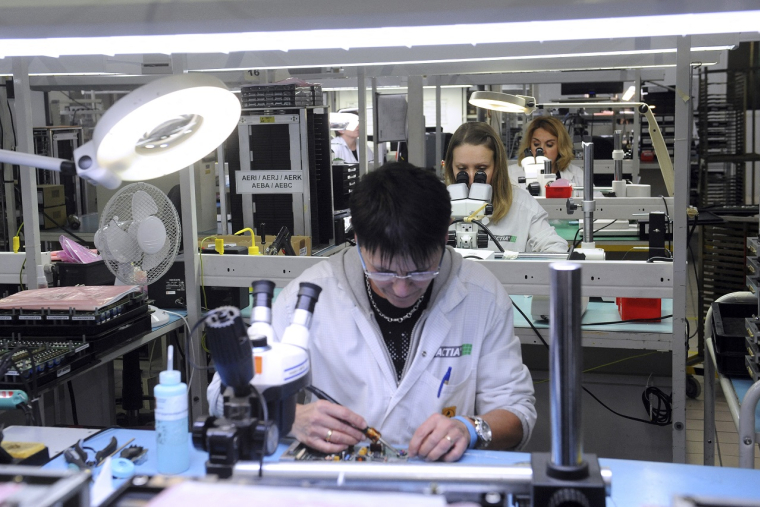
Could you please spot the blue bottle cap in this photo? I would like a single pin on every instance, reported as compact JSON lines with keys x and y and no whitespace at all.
{"x":122,"y":468}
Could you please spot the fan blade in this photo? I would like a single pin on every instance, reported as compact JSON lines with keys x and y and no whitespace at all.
{"x":98,"y":241}
{"x":120,"y":244}
{"x":151,"y":261}
{"x":143,"y":206}
{"x":151,"y":235}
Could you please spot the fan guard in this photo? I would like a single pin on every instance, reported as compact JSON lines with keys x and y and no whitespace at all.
{"x":137,"y":215}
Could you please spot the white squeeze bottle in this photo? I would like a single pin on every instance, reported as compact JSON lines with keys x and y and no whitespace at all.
{"x":172,"y":436}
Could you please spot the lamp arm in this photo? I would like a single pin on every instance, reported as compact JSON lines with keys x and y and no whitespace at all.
{"x":40,"y":161}
{"x":663,"y":157}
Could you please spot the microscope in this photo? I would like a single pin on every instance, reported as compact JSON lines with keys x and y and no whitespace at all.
{"x":470,"y":204}
{"x":262,"y":379}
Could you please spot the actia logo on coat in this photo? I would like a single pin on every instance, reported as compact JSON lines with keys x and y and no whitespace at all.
{"x":462,"y":350}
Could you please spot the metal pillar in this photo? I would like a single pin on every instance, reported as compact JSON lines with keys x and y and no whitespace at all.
{"x":361,"y":147}
{"x":25,"y":144}
{"x":416,"y":122}
{"x":682,"y":152}
{"x":565,"y":358}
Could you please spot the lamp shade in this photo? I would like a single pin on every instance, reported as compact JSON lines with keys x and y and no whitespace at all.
{"x":159,"y":128}
{"x":505,"y":102}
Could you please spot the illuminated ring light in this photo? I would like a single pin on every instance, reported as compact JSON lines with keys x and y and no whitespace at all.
{"x":497,"y":101}
{"x":164,"y":126}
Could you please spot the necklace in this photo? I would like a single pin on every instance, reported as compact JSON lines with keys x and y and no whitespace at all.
{"x":391,"y":319}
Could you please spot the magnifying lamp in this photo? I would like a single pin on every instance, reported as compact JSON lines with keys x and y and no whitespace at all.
{"x":157,"y":129}
{"x":498,"y":101}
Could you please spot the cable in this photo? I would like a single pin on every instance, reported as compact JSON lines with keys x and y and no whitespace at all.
{"x":486,"y":229}
{"x":203,"y":287}
{"x":179,"y":349}
{"x":490,"y":234}
{"x":575,"y":244}
{"x":13,"y":127}
{"x":625,"y":321}
{"x":530,"y":323}
{"x":663,"y":409}
{"x":62,"y":227}
{"x":73,"y":403}
{"x":667,"y":223}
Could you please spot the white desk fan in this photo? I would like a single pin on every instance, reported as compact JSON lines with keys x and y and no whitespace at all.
{"x":139,"y":236}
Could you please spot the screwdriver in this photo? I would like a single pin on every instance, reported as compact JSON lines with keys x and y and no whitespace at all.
{"x":371,"y":433}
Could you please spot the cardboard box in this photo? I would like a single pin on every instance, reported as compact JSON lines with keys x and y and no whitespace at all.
{"x":49,"y":196}
{"x":301,"y":244}
{"x":52,"y":218}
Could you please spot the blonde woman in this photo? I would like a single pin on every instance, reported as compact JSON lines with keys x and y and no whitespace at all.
{"x":549,"y":134}
{"x":518,"y":222}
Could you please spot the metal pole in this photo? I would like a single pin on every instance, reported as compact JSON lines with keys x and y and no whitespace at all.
{"x":565,"y":364}
{"x":23,"y":112}
{"x":682,"y":159}
{"x":438,"y":131}
{"x":636,"y":160}
{"x":416,"y":122}
{"x":361,"y":146}
{"x":221,"y":174}
{"x":618,"y":146}
{"x":588,"y":192}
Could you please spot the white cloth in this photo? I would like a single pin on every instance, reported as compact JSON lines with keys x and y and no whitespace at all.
{"x":572,"y":173}
{"x":466,"y":327}
{"x":341,"y":150}
{"x":525,"y":228}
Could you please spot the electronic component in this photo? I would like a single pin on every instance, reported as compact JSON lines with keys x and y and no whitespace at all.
{"x":44,"y":360}
{"x":374,"y":452}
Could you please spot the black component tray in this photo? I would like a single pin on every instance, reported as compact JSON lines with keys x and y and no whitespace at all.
{"x":65,"y":325}
{"x":728,"y":326}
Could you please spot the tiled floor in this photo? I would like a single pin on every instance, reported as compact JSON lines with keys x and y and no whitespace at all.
{"x":727,"y":439}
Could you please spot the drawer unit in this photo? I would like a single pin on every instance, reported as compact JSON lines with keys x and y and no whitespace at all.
{"x":753,"y":267}
{"x":753,"y":368}
{"x":345,"y":177}
{"x":752,"y":244}
{"x":752,"y":325}
{"x":752,"y":284}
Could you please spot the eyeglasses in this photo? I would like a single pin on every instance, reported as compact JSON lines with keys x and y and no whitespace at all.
{"x":414,"y":276}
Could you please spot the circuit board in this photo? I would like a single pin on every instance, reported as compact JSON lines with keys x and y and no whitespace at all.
{"x":375,"y":453}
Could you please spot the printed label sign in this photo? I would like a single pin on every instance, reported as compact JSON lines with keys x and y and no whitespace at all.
{"x":269,"y":182}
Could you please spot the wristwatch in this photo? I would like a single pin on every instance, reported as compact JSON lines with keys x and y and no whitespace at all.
{"x":483,"y":431}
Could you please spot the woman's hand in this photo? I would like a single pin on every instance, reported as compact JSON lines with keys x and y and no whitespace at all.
{"x":439,"y":438}
{"x":327,"y":427}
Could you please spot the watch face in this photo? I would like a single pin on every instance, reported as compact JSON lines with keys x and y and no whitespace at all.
{"x":483,"y":430}
{"x":272,"y":439}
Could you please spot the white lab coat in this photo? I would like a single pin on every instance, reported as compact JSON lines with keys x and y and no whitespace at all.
{"x":341,"y":150}
{"x":467,"y":327}
{"x":572,"y":173}
{"x":526,"y":227}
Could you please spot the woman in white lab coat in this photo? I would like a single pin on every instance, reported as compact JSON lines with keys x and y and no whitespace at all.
{"x":518,"y":222}
{"x":549,"y":134}
{"x":344,"y":146}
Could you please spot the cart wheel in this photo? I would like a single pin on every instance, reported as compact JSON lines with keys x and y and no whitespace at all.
{"x":693,"y":387}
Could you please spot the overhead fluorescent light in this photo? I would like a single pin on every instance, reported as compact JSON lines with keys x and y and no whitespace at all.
{"x":385,"y":37}
{"x":483,"y":59}
{"x":387,"y":88}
